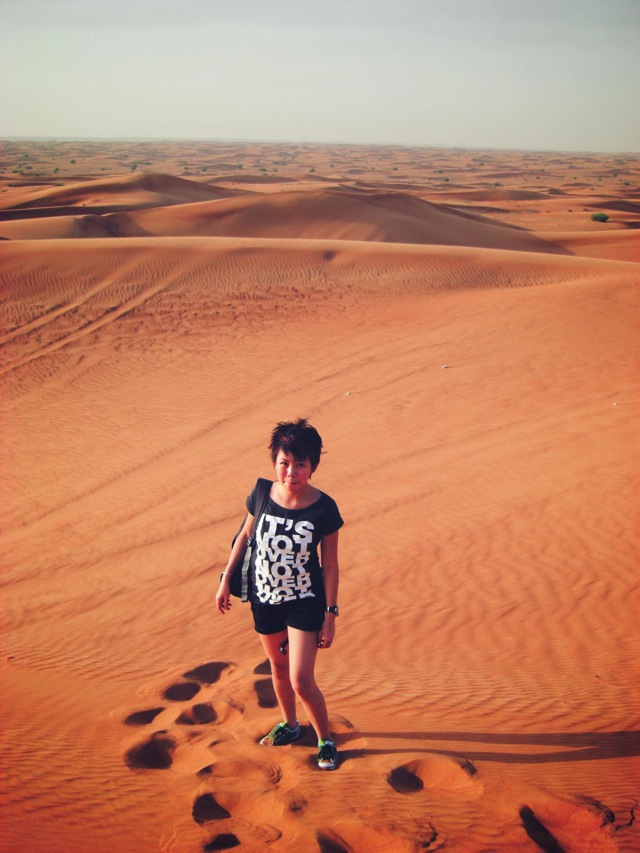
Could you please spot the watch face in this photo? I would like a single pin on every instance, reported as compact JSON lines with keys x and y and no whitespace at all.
{"x":333,"y":609}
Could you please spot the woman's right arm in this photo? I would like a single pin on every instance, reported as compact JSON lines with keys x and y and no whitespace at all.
{"x":234,"y":564}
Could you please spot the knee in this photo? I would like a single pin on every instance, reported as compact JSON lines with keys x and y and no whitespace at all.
{"x":280,"y":670}
{"x":304,"y":685}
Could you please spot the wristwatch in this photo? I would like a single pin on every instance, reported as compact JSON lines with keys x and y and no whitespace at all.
{"x":332,"y":608}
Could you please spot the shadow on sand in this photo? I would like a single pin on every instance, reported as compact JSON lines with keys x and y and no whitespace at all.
{"x":576,"y":746}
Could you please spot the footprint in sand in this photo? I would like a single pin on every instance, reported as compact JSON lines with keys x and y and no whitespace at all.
{"x":399,"y":823}
{"x":415,"y":835}
{"x":198,"y":715}
{"x":207,"y":808}
{"x":143,"y":718}
{"x":208,"y":673}
{"x":264,"y":687}
{"x":263,"y":668}
{"x":157,"y":750}
{"x":245,"y":794}
{"x":267,"y":791}
{"x":556,"y":824}
{"x":265,"y":693}
{"x":155,"y":753}
{"x":250,"y":796}
{"x":437,"y":773}
{"x":224,"y":841}
{"x":181,"y":692}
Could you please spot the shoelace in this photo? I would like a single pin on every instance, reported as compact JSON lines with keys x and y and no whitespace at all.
{"x":327,"y":751}
{"x":282,"y":730}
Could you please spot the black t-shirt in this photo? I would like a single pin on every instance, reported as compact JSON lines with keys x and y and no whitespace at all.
{"x":285,"y":562}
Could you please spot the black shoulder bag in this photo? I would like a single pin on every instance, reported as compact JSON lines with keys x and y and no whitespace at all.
{"x":239,"y":581}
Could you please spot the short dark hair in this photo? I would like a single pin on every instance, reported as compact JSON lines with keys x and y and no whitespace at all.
{"x":298,"y":438}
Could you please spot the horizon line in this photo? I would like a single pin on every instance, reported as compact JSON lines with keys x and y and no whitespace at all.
{"x":241,"y":141}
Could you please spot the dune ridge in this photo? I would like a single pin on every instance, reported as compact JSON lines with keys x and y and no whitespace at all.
{"x":139,"y":190}
{"x":330,"y":214}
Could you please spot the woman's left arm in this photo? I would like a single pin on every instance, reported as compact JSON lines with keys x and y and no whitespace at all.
{"x":329,"y":556}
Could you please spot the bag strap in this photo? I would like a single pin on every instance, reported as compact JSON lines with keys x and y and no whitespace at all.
{"x":263,"y":487}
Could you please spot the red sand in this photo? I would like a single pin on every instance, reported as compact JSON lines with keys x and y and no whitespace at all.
{"x":464,"y":337}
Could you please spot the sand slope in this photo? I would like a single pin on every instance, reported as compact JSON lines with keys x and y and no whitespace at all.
{"x":345,"y":215}
{"x":480,"y":411}
{"x":339,"y":214}
{"x":128,"y":191}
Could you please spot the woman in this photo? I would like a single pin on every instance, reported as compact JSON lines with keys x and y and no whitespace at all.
{"x":293,"y":591}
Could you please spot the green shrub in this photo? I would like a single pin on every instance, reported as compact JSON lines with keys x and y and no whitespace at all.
{"x":600,"y":217}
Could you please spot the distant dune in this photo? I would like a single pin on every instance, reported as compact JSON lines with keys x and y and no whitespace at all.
{"x":496,"y":194}
{"x":381,"y":217}
{"x":329,"y":214}
{"x":128,"y":192}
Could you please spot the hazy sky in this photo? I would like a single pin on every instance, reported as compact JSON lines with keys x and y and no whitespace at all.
{"x":532,"y":74}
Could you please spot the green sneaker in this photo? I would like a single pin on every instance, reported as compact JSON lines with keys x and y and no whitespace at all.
{"x":327,"y":755}
{"x":281,"y":735}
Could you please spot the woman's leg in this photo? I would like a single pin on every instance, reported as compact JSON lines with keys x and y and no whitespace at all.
{"x":280,"y":674}
{"x":303,"y":648}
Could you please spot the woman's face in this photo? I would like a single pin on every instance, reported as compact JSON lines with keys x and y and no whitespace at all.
{"x":293,"y":474}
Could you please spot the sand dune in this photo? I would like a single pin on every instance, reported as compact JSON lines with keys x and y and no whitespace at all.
{"x":128,"y":192}
{"x":382,"y":217}
{"x":624,"y":206}
{"x":496,"y":194}
{"x":479,"y":404}
{"x":338,"y":214}
{"x":616,"y":245}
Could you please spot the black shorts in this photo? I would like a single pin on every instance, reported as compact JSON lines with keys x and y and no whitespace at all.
{"x":305,"y":614}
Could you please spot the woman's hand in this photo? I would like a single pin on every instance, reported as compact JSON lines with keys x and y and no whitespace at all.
{"x":223,"y":596}
{"x":327,"y":632}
